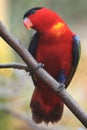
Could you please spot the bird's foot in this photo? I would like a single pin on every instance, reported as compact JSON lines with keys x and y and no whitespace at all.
{"x":61,"y":87}
{"x":40,"y":65}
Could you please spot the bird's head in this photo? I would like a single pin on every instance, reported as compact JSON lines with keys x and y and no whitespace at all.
{"x":40,"y":18}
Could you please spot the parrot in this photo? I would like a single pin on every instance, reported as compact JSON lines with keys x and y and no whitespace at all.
{"x":56,"y":47}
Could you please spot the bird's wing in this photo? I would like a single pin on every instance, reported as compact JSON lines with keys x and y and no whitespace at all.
{"x":32,"y":49}
{"x":33,"y":44}
{"x":76,"y":56}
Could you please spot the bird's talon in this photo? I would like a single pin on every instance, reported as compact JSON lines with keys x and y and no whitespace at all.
{"x":40,"y":65}
{"x":61,"y":87}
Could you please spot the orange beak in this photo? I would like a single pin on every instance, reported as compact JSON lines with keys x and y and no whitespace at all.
{"x":27,"y":23}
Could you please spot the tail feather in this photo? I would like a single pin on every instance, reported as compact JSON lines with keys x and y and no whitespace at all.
{"x":48,"y":109}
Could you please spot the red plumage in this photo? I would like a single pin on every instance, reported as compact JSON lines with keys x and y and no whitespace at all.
{"x":54,"y":49}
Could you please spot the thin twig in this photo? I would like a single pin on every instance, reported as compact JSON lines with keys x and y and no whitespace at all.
{"x":43,"y":75}
{"x":14,"y":66}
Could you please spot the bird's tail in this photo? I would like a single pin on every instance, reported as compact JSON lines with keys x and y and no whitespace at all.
{"x":46,"y":106}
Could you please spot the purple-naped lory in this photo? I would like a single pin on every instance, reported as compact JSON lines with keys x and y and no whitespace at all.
{"x":58,"y":48}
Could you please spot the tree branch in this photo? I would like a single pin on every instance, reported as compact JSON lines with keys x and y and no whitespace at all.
{"x":43,"y":75}
{"x":14,"y":66}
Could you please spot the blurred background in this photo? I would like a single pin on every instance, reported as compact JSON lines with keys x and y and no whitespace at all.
{"x":16,"y":86}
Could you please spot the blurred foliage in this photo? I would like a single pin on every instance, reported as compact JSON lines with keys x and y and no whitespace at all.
{"x":18,"y":88}
{"x":6,"y":56}
{"x":4,"y":124}
{"x":6,"y":53}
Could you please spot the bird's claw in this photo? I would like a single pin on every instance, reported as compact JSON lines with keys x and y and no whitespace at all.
{"x":61,"y":87}
{"x":40,"y":65}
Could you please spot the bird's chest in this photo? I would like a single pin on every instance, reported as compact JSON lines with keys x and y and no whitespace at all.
{"x":54,"y":55}
{"x":47,"y":52}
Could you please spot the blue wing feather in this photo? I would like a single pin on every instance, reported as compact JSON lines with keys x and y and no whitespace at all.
{"x":32,"y":49}
{"x":76,"y":49}
{"x":75,"y":56}
{"x":34,"y":44}
{"x":61,"y":77}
